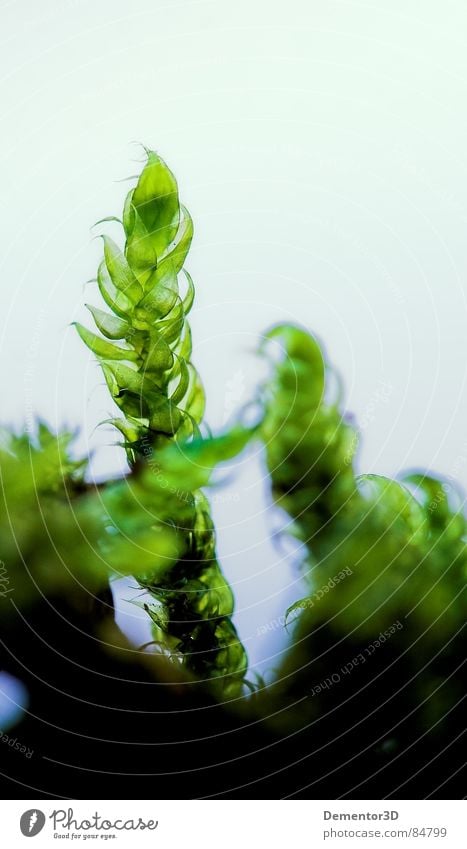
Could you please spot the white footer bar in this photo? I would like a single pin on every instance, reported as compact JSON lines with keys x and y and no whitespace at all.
{"x":234,"y":824}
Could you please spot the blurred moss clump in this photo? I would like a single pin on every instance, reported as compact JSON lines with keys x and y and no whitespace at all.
{"x":385,"y":560}
{"x":60,"y":536}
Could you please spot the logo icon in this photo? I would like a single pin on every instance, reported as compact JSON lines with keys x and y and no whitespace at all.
{"x":32,"y":822}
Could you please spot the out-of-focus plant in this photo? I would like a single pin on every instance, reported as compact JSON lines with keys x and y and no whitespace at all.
{"x":58,"y":535}
{"x":378,"y":553}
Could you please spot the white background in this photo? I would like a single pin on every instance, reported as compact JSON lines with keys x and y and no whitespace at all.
{"x":321,"y":148}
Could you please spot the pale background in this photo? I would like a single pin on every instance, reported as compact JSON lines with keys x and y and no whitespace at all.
{"x":321,"y":148}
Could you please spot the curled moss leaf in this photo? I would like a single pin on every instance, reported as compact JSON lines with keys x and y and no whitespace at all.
{"x":118,"y":302}
{"x":151,"y":216}
{"x":103,"y":349}
{"x":120,"y":272}
{"x":109,"y":325}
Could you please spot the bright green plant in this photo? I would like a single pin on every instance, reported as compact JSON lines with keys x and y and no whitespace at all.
{"x":146,"y":360}
{"x":146,"y":352}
